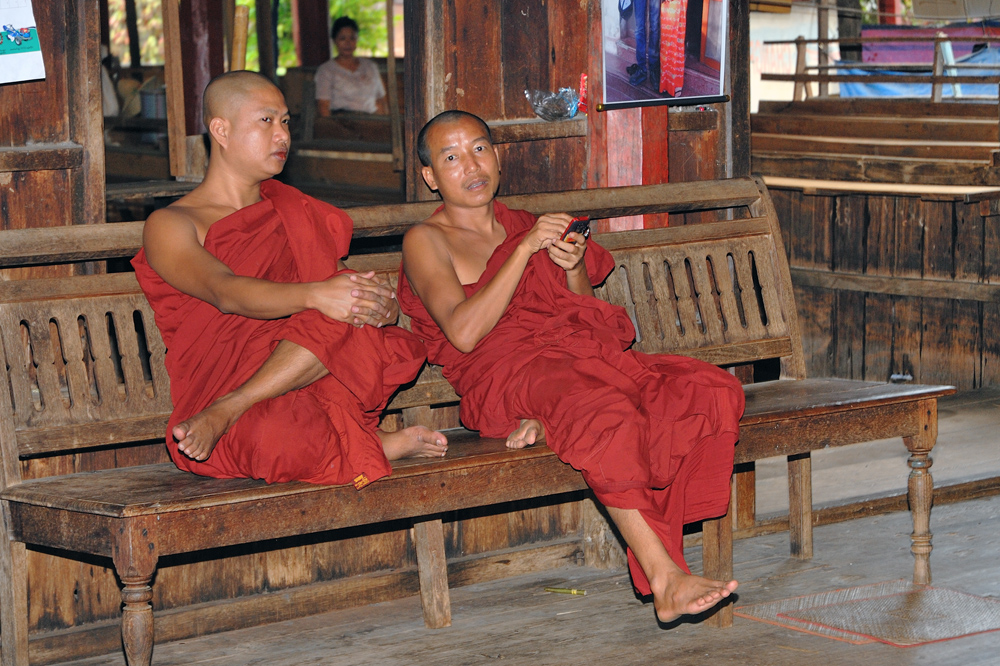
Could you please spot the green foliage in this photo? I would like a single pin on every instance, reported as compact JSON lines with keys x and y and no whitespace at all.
{"x":150,"y":23}
{"x":869,"y":11}
{"x":370,"y":15}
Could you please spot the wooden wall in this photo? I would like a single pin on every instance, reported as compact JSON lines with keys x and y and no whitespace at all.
{"x":895,"y":287}
{"x":51,"y":141}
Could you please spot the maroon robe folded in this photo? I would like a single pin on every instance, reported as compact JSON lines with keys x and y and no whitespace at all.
{"x":649,"y":432}
{"x":323,"y":433}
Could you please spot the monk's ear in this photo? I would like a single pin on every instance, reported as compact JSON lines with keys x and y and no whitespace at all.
{"x":218,"y":128}
{"x":497,"y":153}
{"x":428,"y":174}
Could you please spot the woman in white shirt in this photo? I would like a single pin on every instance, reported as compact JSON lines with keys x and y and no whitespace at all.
{"x":347,"y":83}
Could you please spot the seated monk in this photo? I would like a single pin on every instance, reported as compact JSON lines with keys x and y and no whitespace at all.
{"x":508,"y":310}
{"x":280,"y":359}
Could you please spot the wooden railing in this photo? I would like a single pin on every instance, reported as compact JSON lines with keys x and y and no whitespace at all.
{"x":943,"y":71}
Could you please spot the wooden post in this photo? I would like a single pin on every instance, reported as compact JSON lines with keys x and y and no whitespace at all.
{"x":601,"y":547}
{"x":432,"y":568}
{"x":238,"y":55}
{"x":937,"y":88}
{"x":311,"y":31}
{"x":265,"y":39}
{"x":801,"y":87}
{"x":717,"y":562}
{"x":173,"y":69}
{"x":228,"y":19}
{"x":823,"y":32}
{"x":800,"y":519}
{"x":132,"y":25}
{"x":395,"y":119}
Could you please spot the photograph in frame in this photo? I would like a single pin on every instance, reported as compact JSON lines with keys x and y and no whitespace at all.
{"x":671,"y":52}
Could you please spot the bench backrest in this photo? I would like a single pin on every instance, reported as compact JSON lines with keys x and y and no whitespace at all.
{"x":85,"y":360}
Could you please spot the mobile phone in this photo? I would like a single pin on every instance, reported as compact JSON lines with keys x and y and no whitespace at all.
{"x":579,"y":225}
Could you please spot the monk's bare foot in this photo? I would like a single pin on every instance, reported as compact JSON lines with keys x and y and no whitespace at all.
{"x":197,"y":436}
{"x":413,"y":442}
{"x":529,"y":432}
{"x":684,"y":594}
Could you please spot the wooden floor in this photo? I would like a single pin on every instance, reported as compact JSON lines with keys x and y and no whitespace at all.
{"x":513,"y":621}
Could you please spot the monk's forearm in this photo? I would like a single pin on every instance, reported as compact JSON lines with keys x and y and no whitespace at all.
{"x":261,"y":299}
{"x":474,"y":318}
{"x":578,"y":281}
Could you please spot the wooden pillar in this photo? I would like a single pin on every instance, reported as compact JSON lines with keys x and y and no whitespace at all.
{"x":132,"y":25}
{"x":310,"y":29}
{"x":202,"y":53}
{"x":739,"y":88}
{"x":265,"y":38}
{"x":423,"y":81}
{"x":102,"y":7}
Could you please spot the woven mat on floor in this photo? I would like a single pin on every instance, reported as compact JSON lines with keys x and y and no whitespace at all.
{"x":908,"y":618}
{"x":896,"y":612}
{"x":771,"y":612}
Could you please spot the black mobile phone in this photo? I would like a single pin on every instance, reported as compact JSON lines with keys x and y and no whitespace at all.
{"x":579,"y":225}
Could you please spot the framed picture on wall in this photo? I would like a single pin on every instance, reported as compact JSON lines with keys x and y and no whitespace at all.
{"x":669,"y":52}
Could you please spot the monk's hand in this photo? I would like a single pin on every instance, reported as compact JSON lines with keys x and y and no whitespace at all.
{"x":568,"y":254}
{"x":355,"y":298}
{"x":547,"y":230}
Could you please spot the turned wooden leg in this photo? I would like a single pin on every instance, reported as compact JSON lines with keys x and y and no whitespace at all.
{"x":920,"y":490}
{"x":800,"y":522}
{"x":428,"y":538}
{"x":717,"y":561}
{"x":137,"y":620}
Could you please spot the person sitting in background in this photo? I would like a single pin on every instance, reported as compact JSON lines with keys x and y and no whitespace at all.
{"x":347,"y":83}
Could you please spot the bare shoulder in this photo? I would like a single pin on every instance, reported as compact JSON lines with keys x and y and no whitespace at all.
{"x":425,"y":235}
{"x":426,"y":244}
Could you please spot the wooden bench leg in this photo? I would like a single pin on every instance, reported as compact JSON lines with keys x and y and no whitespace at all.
{"x":601,"y":547}
{"x":745,"y":495}
{"x":920,"y":490}
{"x":135,"y":560}
{"x":13,"y":604}
{"x":137,"y":619}
{"x":428,"y":538}
{"x":717,"y":561}
{"x":800,"y":521}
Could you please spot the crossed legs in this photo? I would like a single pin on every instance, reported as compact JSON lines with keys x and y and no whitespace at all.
{"x":289,"y":367}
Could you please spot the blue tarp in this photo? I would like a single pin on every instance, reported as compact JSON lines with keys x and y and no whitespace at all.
{"x":989,"y":56}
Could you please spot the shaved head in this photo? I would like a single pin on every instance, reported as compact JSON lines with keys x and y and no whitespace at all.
{"x":225,"y":92}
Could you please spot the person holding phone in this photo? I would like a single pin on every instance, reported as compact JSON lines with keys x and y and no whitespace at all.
{"x":504,"y":301}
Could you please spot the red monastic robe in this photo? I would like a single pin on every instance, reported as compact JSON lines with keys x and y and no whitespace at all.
{"x":653,"y":433}
{"x":323,"y":433}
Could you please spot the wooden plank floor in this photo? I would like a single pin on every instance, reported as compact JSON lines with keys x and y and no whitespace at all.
{"x":513,"y":621}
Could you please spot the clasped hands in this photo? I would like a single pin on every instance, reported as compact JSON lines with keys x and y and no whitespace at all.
{"x":546,"y":234}
{"x":357,"y":299}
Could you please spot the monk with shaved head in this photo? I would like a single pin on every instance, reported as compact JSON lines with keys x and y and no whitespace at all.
{"x":280,"y":358}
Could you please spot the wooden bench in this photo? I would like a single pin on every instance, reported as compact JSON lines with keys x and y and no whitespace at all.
{"x":86,"y":370}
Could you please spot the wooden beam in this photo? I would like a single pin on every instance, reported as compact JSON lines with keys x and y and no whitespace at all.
{"x":897,"y":286}
{"x":535,"y":129}
{"x":41,"y":157}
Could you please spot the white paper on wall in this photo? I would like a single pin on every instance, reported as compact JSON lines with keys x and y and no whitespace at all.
{"x":20,"y":52}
